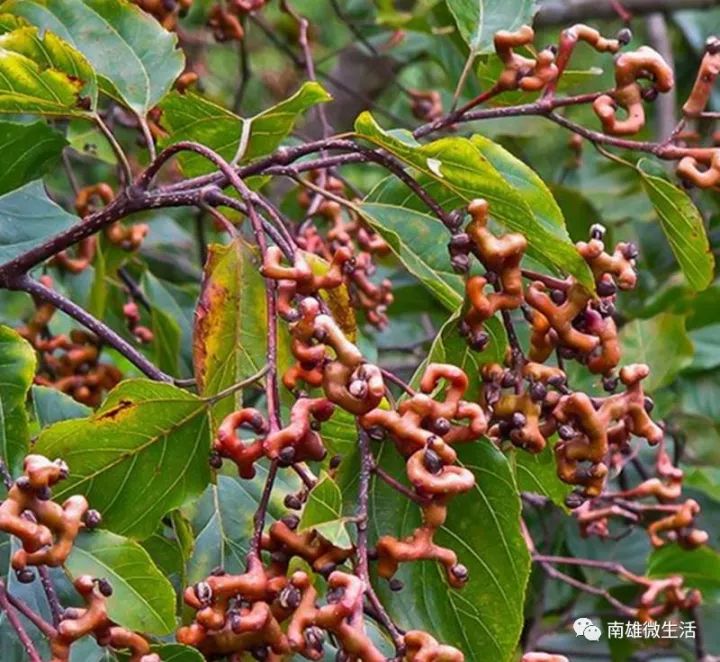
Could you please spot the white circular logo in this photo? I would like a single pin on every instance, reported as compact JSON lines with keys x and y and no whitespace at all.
{"x":586,"y":628}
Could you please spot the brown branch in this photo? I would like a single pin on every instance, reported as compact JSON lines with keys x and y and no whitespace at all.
{"x":566,"y":12}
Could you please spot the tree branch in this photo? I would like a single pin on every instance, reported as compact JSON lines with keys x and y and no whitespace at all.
{"x":566,"y":12}
{"x":25,"y":283}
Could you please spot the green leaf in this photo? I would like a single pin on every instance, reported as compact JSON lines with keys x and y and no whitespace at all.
{"x":87,"y":140}
{"x":31,"y":595}
{"x":700,"y":568}
{"x":27,"y":218}
{"x":142,"y":599}
{"x":662,"y":343}
{"x":165,"y":552}
{"x":17,"y":362}
{"x":454,"y":172}
{"x":29,"y":151}
{"x":140,"y":455}
{"x":191,"y":117}
{"x":420,"y":242}
{"x":230,"y":331}
{"x":136,"y":59}
{"x":537,"y":473}
{"x":323,"y":512}
{"x":706,"y":341}
{"x":52,"y":406}
{"x":165,"y":327}
{"x":479,"y":20}
{"x":704,"y":479}
{"x":526,"y":182}
{"x":222,"y":520}
{"x":683,"y":226}
{"x":178,"y":653}
{"x":484,"y":618}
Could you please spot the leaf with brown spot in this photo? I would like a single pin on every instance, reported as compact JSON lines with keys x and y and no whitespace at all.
{"x":142,"y":454}
{"x":115,"y":412}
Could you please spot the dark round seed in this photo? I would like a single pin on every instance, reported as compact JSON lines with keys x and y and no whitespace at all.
{"x":610,"y":384}
{"x":260,"y":653}
{"x":314,"y":637}
{"x":518,"y":420}
{"x":25,"y":576}
{"x":287,"y":455}
{"x":508,"y":380}
{"x":290,"y":597}
{"x":93,"y":519}
{"x":649,"y":404}
{"x":606,"y":288}
{"x":44,"y":493}
{"x":203,"y":592}
{"x":396,"y":585}
{"x":567,"y":353}
{"x":566,"y":432}
{"x":624,"y":36}
{"x":574,"y":500}
{"x":293,"y":502}
{"x":479,"y":341}
{"x":376,"y":433}
{"x":460,"y":264}
{"x":441,"y":426}
{"x":597,"y":231}
{"x":432,"y":461}
{"x":215,"y":460}
{"x":291,"y":521}
{"x":460,"y":572}
{"x":558,"y":297}
{"x":460,"y":241}
{"x":630,"y":251}
{"x":650,"y":94}
{"x":105,"y":587}
{"x":235,"y":622}
{"x":712,"y":45}
{"x":503,"y":429}
{"x":538,"y":391}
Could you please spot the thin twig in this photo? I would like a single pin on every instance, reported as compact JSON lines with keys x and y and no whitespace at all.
{"x":25,"y":283}
{"x":56,"y":608}
{"x":5,"y":475}
{"x":133,"y":288}
{"x":115,"y":145}
{"x":261,"y":512}
{"x":15,"y":623}
{"x":367,"y":466}
{"x":398,"y":486}
{"x":38,"y":621}
{"x":238,"y":386}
